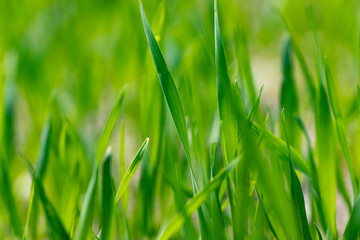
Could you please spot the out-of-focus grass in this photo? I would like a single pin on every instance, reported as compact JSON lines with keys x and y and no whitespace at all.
{"x":222,"y":163}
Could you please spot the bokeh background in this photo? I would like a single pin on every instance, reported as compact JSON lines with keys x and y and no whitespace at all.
{"x":74,"y":57}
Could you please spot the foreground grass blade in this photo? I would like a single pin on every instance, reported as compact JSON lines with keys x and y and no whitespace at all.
{"x":131,"y":170}
{"x":110,"y":124}
{"x":296,"y":191}
{"x":340,"y":127}
{"x":352,"y":229}
{"x":190,"y":207}
{"x":107,"y":199}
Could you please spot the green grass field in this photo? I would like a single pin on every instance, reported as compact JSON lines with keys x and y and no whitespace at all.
{"x":179,"y":119}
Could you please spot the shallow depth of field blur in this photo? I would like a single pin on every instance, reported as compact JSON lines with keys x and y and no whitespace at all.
{"x":68,"y":61}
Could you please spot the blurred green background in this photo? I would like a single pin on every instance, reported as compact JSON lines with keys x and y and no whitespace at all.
{"x":75,"y":57}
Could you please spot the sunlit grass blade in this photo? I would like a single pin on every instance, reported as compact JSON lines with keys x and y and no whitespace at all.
{"x":110,"y":124}
{"x":107,"y":199}
{"x":191,"y":206}
{"x":334,"y":103}
{"x":296,"y":190}
{"x":352,"y":229}
{"x":131,"y":171}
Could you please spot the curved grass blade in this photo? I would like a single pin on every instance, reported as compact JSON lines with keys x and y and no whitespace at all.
{"x":352,"y":229}
{"x":296,"y":191}
{"x":168,"y":87}
{"x":110,"y":123}
{"x":131,"y":170}
{"x":190,"y":207}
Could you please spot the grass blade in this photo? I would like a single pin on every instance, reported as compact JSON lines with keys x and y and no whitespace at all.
{"x":352,"y":229}
{"x":288,"y":98}
{"x":107,"y":199}
{"x":131,"y":170}
{"x":168,"y":86}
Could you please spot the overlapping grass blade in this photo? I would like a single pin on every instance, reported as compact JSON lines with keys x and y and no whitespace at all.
{"x":131,"y":171}
{"x":190,"y":207}
{"x":296,"y":190}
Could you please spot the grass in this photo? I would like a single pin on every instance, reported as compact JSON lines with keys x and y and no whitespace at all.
{"x":223,"y":162}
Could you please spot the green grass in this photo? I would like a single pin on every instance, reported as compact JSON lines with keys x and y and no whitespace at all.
{"x":232,"y":155}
